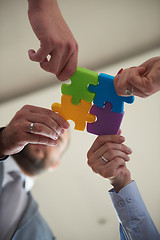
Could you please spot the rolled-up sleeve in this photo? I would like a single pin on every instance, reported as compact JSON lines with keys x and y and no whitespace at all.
{"x":132,"y":213}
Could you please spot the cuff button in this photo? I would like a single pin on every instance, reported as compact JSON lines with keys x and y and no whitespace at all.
{"x":129,"y":199}
{"x":121,"y":203}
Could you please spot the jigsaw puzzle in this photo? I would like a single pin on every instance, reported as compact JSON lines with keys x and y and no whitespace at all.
{"x":105,"y":92}
{"x":77,"y":113}
{"x":78,"y":88}
{"x":76,"y":102}
{"x":107,"y":123}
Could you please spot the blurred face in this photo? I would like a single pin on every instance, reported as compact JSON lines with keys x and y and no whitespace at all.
{"x":50,"y":155}
{"x":35,"y":158}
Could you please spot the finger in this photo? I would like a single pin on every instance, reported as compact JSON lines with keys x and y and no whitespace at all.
{"x":110,"y":151}
{"x":115,"y":164}
{"x":111,"y":154}
{"x":135,"y":76}
{"x":120,"y":71}
{"x":22,"y":135}
{"x":38,"y":56}
{"x":117,"y":80}
{"x":141,"y":85}
{"x":54,"y":63}
{"x":43,"y":130}
{"x":120,"y":131}
{"x":70,"y":49}
{"x":48,"y":113}
{"x":110,"y":169}
{"x":108,"y":147}
{"x":121,"y":171}
{"x":101,"y":140}
{"x":46,"y":121}
{"x":138,"y":93}
{"x":130,"y":79}
{"x":40,"y":139}
{"x":69,"y":68}
{"x":141,"y":70}
{"x":121,"y":82}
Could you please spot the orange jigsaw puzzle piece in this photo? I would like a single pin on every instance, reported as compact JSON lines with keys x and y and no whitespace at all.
{"x":77,"y":113}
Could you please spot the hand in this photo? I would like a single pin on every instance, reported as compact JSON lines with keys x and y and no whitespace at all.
{"x":110,"y":147}
{"x":48,"y":125}
{"x":141,"y":81}
{"x":56,"y":39}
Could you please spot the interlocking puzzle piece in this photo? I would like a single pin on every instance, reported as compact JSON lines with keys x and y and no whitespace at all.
{"x":107,"y":123}
{"x":105,"y":92}
{"x":78,"y":113}
{"x":78,"y":88}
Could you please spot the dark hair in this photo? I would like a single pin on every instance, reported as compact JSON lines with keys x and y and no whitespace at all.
{"x":30,"y":164}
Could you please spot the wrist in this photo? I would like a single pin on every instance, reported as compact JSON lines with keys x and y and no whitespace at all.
{"x":121,"y":181}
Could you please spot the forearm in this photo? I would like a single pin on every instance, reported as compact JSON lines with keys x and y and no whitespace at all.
{"x":50,"y":28}
{"x":133,"y":215}
{"x":34,"y":5}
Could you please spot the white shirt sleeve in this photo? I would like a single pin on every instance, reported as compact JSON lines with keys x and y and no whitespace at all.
{"x":133,"y":215}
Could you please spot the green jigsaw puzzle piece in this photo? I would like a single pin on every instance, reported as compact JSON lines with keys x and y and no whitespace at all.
{"x":78,"y":88}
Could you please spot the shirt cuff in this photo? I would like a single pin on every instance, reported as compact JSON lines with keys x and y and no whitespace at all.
{"x":4,"y":158}
{"x":128,"y":203}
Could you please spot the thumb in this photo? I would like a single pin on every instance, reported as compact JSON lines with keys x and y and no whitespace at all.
{"x":38,"y":56}
{"x":141,"y":70}
{"x":119,"y":133}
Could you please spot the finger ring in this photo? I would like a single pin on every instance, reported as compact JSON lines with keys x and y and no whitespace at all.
{"x":129,"y":92}
{"x":31,"y":127}
{"x":104,"y":159}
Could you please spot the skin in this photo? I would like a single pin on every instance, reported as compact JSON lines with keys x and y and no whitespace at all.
{"x":48,"y":125}
{"x":113,"y":149}
{"x":143,"y":79}
{"x":58,"y":51}
{"x":36,"y":158}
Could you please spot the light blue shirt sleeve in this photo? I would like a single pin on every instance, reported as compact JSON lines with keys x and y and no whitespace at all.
{"x":132,"y":213}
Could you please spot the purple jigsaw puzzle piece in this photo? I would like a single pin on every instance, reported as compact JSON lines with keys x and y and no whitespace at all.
{"x":108,"y":122}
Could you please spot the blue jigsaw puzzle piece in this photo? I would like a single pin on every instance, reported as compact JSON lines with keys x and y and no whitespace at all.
{"x":105,"y":92}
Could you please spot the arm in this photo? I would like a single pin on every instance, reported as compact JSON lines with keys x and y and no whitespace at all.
{"x":47,"y":127}
{"x":141,"y":81}
{"x":56,"y":39}
{"x":136,"y":223}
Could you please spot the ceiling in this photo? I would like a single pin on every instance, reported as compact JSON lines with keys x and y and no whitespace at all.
{"x":106,"y":31}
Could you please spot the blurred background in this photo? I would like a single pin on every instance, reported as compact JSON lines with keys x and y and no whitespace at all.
{"x":111,"y":35}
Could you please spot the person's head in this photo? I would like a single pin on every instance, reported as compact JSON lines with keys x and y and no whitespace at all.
{"x":35,"y":158}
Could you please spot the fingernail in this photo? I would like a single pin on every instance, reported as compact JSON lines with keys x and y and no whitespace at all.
{"x":121,"y":138}
{"x":120,"y":71}
{"x":66,"y":125}
{"x":61,"y":132}
{"x":54,"y":143}
{"x":56,"y":137}
{"x":129,"y":150}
